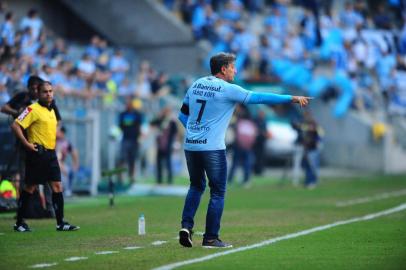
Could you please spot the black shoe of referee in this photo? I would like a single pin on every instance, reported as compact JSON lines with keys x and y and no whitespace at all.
{"x":65,"y":226}
{"x":22,"y":227}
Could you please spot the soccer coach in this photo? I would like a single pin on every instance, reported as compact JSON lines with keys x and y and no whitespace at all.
{"x":40,"y":122}
{"x":206,"y":112}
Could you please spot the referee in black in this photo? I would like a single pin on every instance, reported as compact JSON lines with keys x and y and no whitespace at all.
{"x":41,"y":163}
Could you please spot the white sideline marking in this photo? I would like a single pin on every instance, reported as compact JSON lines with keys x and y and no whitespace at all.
{"x":285,"y":237}
{"x":158,"y":243}
{"x":373,"y":198}
{"x":74,"y":259}
{"x":135,"y":247}
{"x":105,"y":252}
{"x":43,"y":265}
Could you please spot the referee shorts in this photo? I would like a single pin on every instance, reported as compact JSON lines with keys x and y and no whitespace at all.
{"x":42,"y":168}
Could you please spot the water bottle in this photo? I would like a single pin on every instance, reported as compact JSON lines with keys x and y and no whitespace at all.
{"x":141,"y":225}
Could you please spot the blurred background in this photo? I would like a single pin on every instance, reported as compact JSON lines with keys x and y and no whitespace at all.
{"x":120,"y":70}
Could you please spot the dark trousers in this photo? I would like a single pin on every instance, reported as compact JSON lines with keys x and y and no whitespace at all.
{"x":164,"y":159}
{"x":129,"y":151}
{"x":311,"y":160}
{"x":245,"y":158}
{"x":214,"y":165}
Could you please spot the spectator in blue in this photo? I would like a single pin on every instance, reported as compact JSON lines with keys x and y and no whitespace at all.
{"x":126,"y":88}
{"x":265,"y":53}
{"x":34,"y":22}
{"x":86,"y":66}
{"x":4,"y":96}
{"x":349,"y":17}
{"x":241,"y":45}
{"x":198,"y":20}
{"x":278,"y":21}
{"x":274,"y":41}
{"x":29,"y":45}
{"x":58,"y":49}
{"x":118,"y":66}
{"x":7,"y":30}
{"x":232,"y":10}
{"x":94,"y":50}
{"x":402,"y":39}
{"x":308,"y":26}
{"x":385,"y":67}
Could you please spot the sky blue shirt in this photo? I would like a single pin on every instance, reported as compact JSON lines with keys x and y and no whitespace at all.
{"x":211,"y":104}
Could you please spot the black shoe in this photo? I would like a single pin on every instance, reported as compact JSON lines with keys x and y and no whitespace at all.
{"x":65,"y":226}
{"x":215,"y":243}
{"x":185,"y":237}
{"x":21,"y":227}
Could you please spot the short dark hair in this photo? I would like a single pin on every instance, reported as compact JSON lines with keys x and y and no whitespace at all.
{"x":43,"y":83}
{"x":219,"y":60}
{"x":32,"y":12}
{"x":9,"y":15}
{"x":34,"y":80}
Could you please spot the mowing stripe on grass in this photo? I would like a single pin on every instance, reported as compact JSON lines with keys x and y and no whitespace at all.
{"x":43,"y":265}
{"x":158,"y":243}
{"x":105,"y":252}
{"x":130,"y":248}
{"x":373,"y":198}
{"x":74,"y":259}
{"x":285,"y":237}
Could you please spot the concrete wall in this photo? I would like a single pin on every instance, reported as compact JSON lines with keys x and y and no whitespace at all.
{"x":349,"y":143}
{"x":145,"y":26}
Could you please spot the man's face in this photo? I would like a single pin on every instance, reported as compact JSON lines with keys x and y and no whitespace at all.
{"x":46,"y":93}
{"x":229,"y":72}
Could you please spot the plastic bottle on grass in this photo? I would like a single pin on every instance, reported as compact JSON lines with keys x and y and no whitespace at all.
{"x":141,"y":225}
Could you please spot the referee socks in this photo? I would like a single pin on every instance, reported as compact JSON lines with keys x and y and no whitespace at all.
{"x":23,"y":202}
{"x":57,"y":201}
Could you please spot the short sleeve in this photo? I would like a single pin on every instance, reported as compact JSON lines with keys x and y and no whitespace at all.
{"x":237,"y":94}
{"x":26,"y":118}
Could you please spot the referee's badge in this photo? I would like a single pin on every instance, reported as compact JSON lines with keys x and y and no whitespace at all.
{"x":24,"y":114}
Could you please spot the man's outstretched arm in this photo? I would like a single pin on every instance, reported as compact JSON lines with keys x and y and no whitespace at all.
{"x":271,"y":99}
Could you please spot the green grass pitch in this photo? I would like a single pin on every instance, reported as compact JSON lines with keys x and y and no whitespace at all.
{"x":266,"y":210}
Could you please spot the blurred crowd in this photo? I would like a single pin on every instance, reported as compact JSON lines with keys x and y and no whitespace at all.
{"x":363,"y":44}
{"x":83,"y":72}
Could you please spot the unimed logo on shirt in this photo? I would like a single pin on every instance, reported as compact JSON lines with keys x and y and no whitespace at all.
{"x":24,"y":114}
{"x":192,"y":141}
